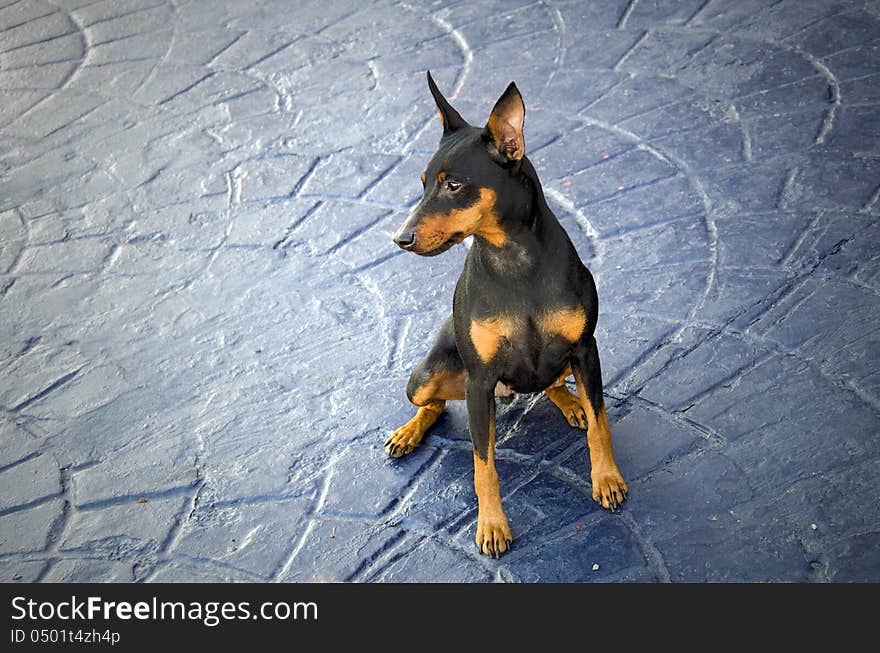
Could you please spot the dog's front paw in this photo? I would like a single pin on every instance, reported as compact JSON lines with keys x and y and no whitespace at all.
{"x":493,"y":535}
{"x":404,"y":440}
{"x":609,"y":488}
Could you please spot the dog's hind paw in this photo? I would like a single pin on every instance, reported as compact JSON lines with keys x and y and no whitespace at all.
{"x":569,"y":405}
{"x":404,"y":440}
{"x":575,"y":415}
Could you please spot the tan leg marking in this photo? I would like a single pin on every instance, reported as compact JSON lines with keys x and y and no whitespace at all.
{"x":568,"y":404}
{"x":493,"y":531}
{"x":448,"y":386}
{"x":609,"y":488}
{"x":431,"y":399}
{"x":406,"y":438}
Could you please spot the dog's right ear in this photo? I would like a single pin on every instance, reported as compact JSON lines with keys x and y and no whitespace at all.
{"x":448,"y":116}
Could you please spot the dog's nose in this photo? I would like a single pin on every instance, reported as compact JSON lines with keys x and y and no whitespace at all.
{"x":405,"y":239}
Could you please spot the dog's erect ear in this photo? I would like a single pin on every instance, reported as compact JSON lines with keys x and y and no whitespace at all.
{"x":506,"y":124}
{"x":448,"y":116}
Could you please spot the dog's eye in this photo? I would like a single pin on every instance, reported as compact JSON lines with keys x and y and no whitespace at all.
{"x":453,"y":185}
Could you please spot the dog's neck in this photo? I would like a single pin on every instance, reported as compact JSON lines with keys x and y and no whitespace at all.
{"x":523,"y":221}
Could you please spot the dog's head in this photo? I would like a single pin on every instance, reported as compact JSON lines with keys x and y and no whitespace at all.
{"x":472,"y":168}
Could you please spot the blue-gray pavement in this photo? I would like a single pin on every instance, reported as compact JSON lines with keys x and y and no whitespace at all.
{"x":206,"y":331}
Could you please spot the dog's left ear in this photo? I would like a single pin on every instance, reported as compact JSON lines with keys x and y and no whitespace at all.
{"x":505,"y":126}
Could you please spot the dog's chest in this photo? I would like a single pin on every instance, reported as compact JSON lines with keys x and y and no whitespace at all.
{"x":525,"y":348}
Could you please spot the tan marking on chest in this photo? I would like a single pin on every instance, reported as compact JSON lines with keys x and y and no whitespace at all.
{"x":488,"y":335}
{"x":566,"y":322}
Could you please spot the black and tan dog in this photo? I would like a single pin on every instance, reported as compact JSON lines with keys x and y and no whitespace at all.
{"x":525,"y":306}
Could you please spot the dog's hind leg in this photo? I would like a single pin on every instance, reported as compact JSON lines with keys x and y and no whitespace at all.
{"x":439,"y":377}
{"x":568,"y":404}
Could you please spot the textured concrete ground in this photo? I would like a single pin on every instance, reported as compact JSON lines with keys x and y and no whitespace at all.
{"x":205,"y":329}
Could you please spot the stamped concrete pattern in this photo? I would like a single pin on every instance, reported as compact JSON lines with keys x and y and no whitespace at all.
{"x":206,"y":331}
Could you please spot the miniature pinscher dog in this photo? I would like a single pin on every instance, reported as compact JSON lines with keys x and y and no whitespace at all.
{"x":524,"y":310}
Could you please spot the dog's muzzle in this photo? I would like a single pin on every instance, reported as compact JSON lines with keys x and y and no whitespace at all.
{"x":405,"y":239}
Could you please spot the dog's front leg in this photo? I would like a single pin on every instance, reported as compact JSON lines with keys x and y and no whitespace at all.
{"x":493,"y":531}
{"x":609,"y":488}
